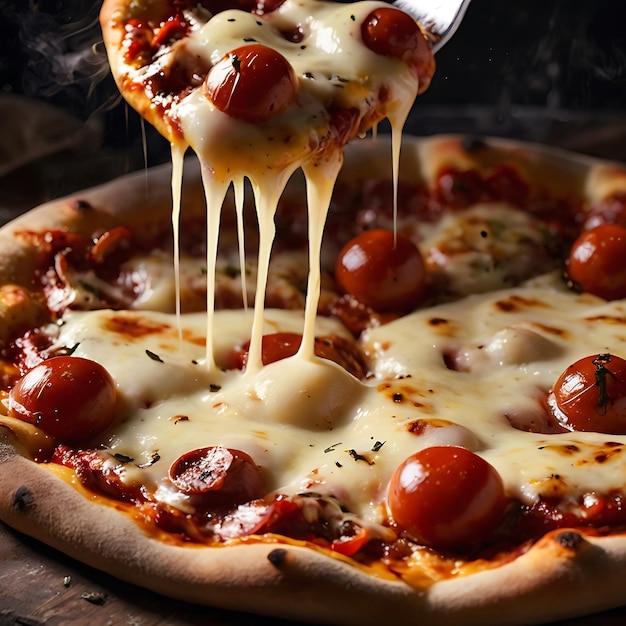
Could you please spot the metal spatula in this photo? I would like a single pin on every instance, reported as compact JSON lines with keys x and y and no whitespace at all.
{"x":441,"y":18}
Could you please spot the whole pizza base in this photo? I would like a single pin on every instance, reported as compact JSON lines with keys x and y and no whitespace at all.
{"x":564,"y":574}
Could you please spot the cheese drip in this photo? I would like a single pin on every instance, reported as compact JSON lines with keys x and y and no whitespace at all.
{"x":267,"y":154}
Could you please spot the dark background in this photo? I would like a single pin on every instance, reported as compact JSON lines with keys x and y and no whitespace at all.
{"x":540,"y":70}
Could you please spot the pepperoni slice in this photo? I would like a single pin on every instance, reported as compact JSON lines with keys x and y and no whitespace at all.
{"x":218,"y":476}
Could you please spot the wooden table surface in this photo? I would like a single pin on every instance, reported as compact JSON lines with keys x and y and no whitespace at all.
{"x":39,"y":586}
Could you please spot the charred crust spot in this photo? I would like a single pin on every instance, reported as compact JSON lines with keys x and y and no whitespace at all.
{"x":516,"y":303}
{"x":473,"y":144}
{"x":82,"y":205}
{"x":569,"y":539}
{"x":417,"y":427}
{"x":277,"y":557}
{"x":437,"y":321}
{"x":22,"y":498}
{"x":506,"y":306}
{"x":553,"y":330}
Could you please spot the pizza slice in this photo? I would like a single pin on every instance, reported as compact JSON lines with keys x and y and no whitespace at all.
{"x":269,"y":85}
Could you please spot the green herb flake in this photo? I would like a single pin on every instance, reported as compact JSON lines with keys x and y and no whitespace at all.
{"x":377,"y":446}
{"x":214,"y":388}
{"x":154,"y":357}
{"x":123,"y":458}
{"x":89,"y":288}
{"x":332,"y":447}
{"x":232,"y":271}
{"x":359,"y":457}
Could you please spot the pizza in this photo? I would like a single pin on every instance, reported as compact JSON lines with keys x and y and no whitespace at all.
{"x":291,"y":490}
{"x":342,"y":381}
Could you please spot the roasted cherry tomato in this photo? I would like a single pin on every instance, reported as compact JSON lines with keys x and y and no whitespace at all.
{"x":611,"y":210}
{"x":446,"y":497}
{"x":169,"y":31}
{"x":218,"y":476}
{"x":252,"y":83}
{"x":263,"y":7}
{"x":597,"y":262}
{"x":458,"y":189}
{"x":70,"y":398}
{"x":277,"y":346}
{"x":384,"y":274}
{"x":112,"y":247}
{"x":352,"y":539}
{"x":590,"y":395}
{"x":390,"y":32}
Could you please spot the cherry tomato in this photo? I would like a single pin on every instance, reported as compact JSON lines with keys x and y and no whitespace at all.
{"x":252,"y":83}
{"x":220,"y":476}
{"x":590,"y":395}
{"x":458,"y":189}
{"x":393,"y":33}
{"x":169,"y":31}
{"x":277,"y":346}
{"x":504,"y":182}
{"x":72,"y":399}
{"x":380,"y":273}
{"x":112,"y":247}
{"x":597,"y":262}
{"x":611,"y":210}
{"x":263,"y":7}
{"x":352,"y":539}
{"x":446,"y":497}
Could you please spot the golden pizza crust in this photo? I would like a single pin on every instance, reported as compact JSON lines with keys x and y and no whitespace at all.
{"x":112,"y":18}
{"x":563,"y":575}
{"x":566,"y":573}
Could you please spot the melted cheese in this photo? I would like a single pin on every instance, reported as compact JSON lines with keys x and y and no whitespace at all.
{"x":334,"y":69}
{"x":312,"y":426}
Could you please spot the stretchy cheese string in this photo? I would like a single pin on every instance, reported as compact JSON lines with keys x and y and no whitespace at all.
{"x":178,"y":153}
{"x":239,"y":190}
